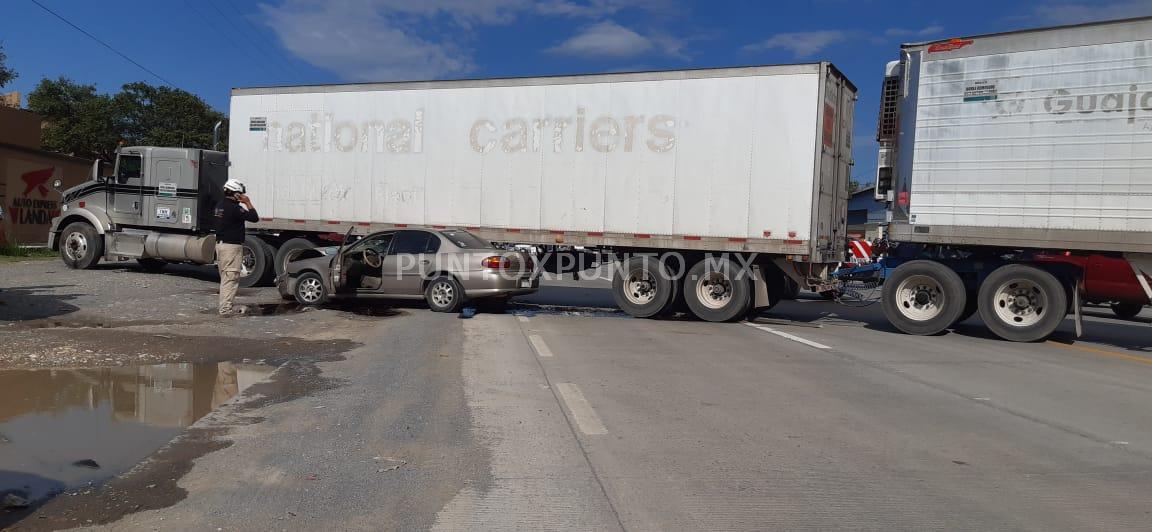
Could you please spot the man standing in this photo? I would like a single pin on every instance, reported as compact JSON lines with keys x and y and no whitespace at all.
{"x":231,"y":213}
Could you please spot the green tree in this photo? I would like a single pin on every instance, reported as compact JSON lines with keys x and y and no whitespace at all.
{"x":6,"y":74}
{"x":163,"y":116}
{"x":84,"y":123}
{"x":79,"y":121}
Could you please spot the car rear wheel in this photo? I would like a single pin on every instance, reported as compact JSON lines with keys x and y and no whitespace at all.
{"x":444,"y":294}
{"x":310,"y":290}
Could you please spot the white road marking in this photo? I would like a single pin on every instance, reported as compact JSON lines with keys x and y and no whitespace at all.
{"x":792,"y":337}
{"x":539,"y":345}
{"x":523,"y":319}
{"x":586,"y":418}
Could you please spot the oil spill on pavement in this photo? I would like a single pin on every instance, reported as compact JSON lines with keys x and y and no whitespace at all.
{"x":531,"y":309}
{"x":70,"y":430}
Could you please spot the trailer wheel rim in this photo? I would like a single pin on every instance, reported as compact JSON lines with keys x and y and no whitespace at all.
{"x":920,"y":298}
{"x":247,"y":261}
{"x":640,"y":287}
{"x":76,"y":245}
{"x":1020,"y":303}
{"x":443,"y":294}
{"x":310,"y":290}
{"x":714,"y":290}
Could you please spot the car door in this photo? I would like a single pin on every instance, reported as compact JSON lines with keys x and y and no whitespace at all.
{"x":406,"y":264}
{"x":361,"y":275}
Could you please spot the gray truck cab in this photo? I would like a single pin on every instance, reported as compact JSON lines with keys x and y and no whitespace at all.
{"x":156,"y":206}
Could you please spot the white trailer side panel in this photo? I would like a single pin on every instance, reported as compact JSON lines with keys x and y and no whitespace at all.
{"x":1047,"y":140}
{"x":723,"y":156}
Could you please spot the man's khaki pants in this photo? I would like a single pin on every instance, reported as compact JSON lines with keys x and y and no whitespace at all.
{"x":228,"y":258}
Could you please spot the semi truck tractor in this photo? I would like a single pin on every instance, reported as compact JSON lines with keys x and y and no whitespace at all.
{"x":714,"y":187}
{"x":1017,"y":171}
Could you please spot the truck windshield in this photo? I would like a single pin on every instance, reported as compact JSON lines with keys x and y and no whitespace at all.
{"x":466,"y":240}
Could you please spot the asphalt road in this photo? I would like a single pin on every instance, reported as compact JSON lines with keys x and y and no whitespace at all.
{"x":818,"y":416}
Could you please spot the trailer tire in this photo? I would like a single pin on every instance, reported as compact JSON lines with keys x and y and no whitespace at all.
{"x":256,"y":268}
{"x":643,"y":287}
{"x":287,"y":247}
{"x":923,"y":297}
{"x":1126,"y":311}
{"x":715,"y":291}
{"x":1022,"y":303}
{"x":81,"y":247}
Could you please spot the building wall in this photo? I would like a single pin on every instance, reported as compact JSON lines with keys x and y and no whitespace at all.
{"x":26,"y":191}
{"x":19,"y":127}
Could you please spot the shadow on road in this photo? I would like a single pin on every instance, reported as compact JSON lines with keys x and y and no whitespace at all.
{"x":35,"y":303}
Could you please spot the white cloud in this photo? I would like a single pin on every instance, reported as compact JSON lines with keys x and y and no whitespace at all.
{"x":599,"y":8}
{"x":1059,"y":13}
{"x":610,"y":40}
{"x":382,"y":40}
{"x":926,"y":31}
{"x":801,"y":44}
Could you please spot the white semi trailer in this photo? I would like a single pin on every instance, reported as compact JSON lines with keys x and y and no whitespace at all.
{"x":748,"y":162}
{"x":1017,"y":168}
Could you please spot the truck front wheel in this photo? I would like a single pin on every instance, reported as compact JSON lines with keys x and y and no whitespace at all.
{"x":81,"y":246}
{"x":718,"y":290}
{"x":1022,"y":303}
{"x":643,"y":287}
{"x":923,"y":297}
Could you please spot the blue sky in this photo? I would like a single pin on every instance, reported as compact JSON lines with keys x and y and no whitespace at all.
{"x":210,"y":46}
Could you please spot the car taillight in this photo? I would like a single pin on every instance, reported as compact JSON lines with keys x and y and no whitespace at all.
{"x":497,"y":263}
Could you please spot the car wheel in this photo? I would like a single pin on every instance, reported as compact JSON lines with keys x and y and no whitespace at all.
{"x":923,"y":297}
{"x":716,"y":291}
{"x":310,"y":290}
{"x":152,"y":265}
{"x":1127,"y":310}
{"x":1022,"y":303}
{"x":81,"y":246}
{"x":444,"y":294}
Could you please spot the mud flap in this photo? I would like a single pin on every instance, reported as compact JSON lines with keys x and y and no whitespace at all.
{"x":760,"y":297}
{"x":1076,"y":304}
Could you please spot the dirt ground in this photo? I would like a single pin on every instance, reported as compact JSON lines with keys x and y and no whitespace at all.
{"x":51,"y":316}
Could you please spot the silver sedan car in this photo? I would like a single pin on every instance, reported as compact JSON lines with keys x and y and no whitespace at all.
{"x":445,"y":268}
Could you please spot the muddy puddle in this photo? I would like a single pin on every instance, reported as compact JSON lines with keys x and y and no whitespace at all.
{"x":68,"y":429}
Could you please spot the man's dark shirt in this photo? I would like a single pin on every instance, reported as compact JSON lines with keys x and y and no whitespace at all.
{"x":230,"y":218}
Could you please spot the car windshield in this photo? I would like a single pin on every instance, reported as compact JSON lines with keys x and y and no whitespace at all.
{"x":466,"y":240}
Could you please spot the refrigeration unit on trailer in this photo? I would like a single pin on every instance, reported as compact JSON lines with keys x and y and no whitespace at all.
{"x":750,"y":162}
{"x":1017,"y":168}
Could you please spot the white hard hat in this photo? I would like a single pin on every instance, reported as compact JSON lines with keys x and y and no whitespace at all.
{"x":233,"y":185}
